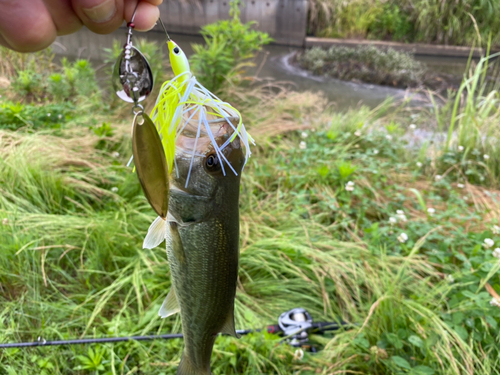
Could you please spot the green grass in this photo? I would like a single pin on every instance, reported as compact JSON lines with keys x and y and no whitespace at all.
{"x":73,"y":218}
{"x":460,"y":22}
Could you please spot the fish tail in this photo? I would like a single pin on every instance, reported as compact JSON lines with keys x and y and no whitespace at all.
{"x":157,"y":233}
{"x":186,"y":367}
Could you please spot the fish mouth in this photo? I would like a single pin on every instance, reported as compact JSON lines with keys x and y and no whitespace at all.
{"x":180,"y":190}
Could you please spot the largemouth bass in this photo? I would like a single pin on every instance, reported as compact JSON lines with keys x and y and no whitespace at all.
{"x":202,"y":235}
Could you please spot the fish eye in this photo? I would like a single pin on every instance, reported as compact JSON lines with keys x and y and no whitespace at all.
{"x":212,"y":162}
{"x":176,"y":50}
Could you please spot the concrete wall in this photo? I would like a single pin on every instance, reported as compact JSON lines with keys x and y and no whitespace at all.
{"x":284,"y":20}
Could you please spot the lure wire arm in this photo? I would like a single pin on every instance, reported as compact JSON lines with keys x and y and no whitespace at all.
{"x":132,"y":76}
{"x":164,"y":29}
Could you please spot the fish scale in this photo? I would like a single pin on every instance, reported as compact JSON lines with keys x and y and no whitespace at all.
{"x":204,"y":256}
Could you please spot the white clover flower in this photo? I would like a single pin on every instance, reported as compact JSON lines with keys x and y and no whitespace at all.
{"x":438,"y":177}
{"x":466,"y":198}
{"x":5,"y":221}
{"x":495,"y":229}
{"x":460,"y":186}
{"x":496,"y":253}
{"x":393,"y":220}
{"x":419,"y":164}
{"x":488,"y":242}
{"x":59,"y":116}
{"x":495,"y":302}
{"x":357,"y":133}
{"x":431,"y":211}
{"x":460,"y":148}
{"x":304,"y":135}
{"x":48,"y":114}
{"x":413,"y":126}
{"x":403,"y":237}
{"x":349,"y":186}
{"x":356,"y":146}
{"x":114,"y":189}
{"x":115,"y":154}
{"x":401,"y":215}
{"x":388,"y":137}
{"x":375,"y":152}
{"x":298,"y":355}
{"x":450,"y":278}
{"x":486,"y":156}
{"x":302,"y":145}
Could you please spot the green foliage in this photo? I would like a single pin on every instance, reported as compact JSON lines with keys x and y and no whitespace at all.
{"x":391,"y":23}
{"x":458,"y":22}
{"x":105,"y":130}
{"x":229,"y":45}
{"x":364,"y":63}
{"x":93,"y":361}
{"x":80,"y":76}
{"x":34,"y":78}
{"x":73,"y":218}
{"x":58,"y":87}
{"x":32,"y":117}
{"x":28,"y":82}
{"x":471,"y":120}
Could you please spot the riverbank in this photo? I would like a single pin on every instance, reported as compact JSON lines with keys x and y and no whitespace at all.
{"x":371,"y":65}
{"x":414,"y":48}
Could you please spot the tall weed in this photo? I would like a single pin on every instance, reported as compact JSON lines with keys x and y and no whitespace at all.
{"x":430,"y":21}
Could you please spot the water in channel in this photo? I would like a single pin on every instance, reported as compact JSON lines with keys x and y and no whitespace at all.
{"x":273,"y":63}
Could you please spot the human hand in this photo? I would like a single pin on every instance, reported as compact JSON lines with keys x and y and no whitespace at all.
{"x":32,"y":25}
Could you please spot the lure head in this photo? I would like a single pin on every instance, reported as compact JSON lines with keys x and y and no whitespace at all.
{"x":178,"y":58}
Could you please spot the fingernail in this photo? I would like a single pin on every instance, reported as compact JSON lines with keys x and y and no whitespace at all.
{"x":102,"y":12}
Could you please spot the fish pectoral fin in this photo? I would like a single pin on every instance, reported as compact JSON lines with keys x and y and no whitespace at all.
{"x":157,"y":232}
{"x":176,"y":242}
{"x":228,"y":327}
{"x":170,"y":306}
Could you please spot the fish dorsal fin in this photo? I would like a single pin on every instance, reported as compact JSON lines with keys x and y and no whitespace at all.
{"x":170,"y":306}
{"x":157,"y":232}
{"x":228,"y":327}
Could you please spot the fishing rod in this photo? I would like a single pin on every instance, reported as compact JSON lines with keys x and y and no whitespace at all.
{"x":295,"y":325}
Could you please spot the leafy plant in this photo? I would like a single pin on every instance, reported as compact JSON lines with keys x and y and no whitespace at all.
{"x":229,"y":45}
{"x":15,"y":115}
{"x":58,"y":87}
{"x":28,"y":82}
{"x":93,"y":361}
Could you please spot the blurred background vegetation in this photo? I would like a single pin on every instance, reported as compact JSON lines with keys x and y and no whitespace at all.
{"x":350,"y":214}
{"x":460,"y":22}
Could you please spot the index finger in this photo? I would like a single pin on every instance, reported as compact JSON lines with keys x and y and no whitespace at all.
{"x":147,"y":13}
